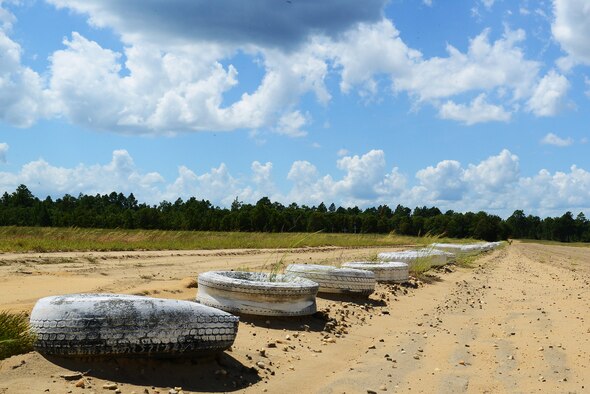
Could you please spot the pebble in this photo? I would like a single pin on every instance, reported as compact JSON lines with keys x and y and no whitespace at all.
{"x":22,"y":362}
{"x":261,"y":365}
{"x":81,"y":383}
{"x":110,"y":386}
{"x":382,"y":388}
{"x":73,"y":376}
{"x":190,"y":283}
{"x":462,"y":362}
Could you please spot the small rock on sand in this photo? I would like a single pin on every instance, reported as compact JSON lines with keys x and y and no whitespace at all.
{"x":189,"y":282}
{"x":72,"y":376}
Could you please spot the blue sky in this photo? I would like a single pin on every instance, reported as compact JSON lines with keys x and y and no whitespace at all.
{"x":465,"y":105}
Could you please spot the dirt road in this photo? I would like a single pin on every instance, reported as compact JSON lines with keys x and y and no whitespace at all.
{"x":518,"y":321}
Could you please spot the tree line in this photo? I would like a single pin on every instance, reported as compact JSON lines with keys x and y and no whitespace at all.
{"x":115,"y":210}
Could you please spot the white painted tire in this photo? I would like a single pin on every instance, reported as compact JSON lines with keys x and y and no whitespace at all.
{"x":433,"y":257}
{"x":126,"y":325}
{"x":467,"y":248}
{"x":335,"y":280}
{"x":461,"y":249}
{"x":391,"y":272}
{"x":257,"y":293}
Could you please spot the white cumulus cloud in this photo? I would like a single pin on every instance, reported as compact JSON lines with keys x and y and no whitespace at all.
{"x":495,"y":172}
{"x":548,"y":95}
{"x":291,"y":124}
{"x":571,"y":28}
{"x":218,"y":186}
{"x":502,"y":62}
{"x":488,"y":3}
{"x":262,"y":179}
{"x":444,"y":181}
{"x":3,"y":150}
{"x":175,"y":70}
{"x":365,"y":179}
{"x":552,"y":194}
{"x":23,"y":98}
{"x":120,"y":175}
{"x":552,"y":139}
{"x":478,"y":111}
{"x":494,"y":184}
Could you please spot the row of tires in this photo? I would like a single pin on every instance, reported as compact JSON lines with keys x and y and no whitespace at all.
{"x":293,"y":293}
{"x":78,"y":325}
{"x":125,"y":325}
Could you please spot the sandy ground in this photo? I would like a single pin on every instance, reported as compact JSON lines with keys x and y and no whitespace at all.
{"x":518,"y":321}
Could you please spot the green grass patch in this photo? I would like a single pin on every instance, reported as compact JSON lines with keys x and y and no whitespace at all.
{"x":53,"y":239}
{"x":544,"y":242}
{"x":467,"y":260}
{"x":15,"y":336}
{"x":428,"y":239}
{"x":419,"y":267}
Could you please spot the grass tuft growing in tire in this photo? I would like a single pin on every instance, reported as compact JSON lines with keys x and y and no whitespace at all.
{"x":279,"y":266}
{"x":423,"y":264}
{"x":420,"y":266}
{"x":15,"y":335}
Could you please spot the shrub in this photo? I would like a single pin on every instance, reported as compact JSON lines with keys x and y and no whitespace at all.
{"x":15,"y":336}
